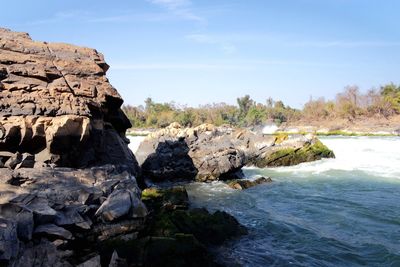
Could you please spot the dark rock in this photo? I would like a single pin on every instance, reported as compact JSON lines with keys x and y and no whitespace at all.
{"x":208,"y":228}
{"x":116,"y":261}
{"x":43,"y":254}
{"x":52,"y":231}
{"x":169,"y":198}
{"x":13,"y":161}
{"x":9,"y":244}
{"x":22,"y":216}
{"x":42,"y":212}
{"x":27,"y":161}
{"x":121,"y":203}
{"x":71,"y":216}
{"x":93,"y":262}
{"x":245,"y":184}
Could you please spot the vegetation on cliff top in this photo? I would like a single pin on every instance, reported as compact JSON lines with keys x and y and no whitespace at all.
{"x":351,"y":105}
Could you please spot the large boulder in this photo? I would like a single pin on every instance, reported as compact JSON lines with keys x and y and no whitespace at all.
{"x":57,"y":105}
{"x":208,"y":153}
{"x":204,"y":153}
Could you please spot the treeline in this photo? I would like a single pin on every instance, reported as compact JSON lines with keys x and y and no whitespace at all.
{"x":351,"y":104}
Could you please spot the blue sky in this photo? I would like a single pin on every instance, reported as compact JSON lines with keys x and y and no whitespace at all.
{"x":202,"y":51}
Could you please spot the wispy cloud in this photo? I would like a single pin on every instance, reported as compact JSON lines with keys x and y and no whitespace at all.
{"x":117,"y":16}
{"x":180,"y":8}
{"x":225,"y":46}
{"x":344,"y":44}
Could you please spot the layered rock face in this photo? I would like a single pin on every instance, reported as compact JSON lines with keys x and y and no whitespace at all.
{"x":57,"y":105}
{"x":67,"y":177}
{"x":208,"y":153}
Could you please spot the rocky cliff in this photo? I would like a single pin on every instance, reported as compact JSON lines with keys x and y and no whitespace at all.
{"x":57,"y":107}
{"x":67,"y":176}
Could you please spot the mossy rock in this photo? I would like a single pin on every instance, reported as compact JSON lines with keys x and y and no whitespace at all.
{"x":177,"y":250}
{"x":290,"y":156}
{"x":208,"y":228}
{"x":170,"y":198}
{"x":180,"y":250}
{"x":280,"y":137}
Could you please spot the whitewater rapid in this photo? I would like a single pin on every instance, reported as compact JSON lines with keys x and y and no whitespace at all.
{"x":333,"y":212}
{"x":375,"y":156}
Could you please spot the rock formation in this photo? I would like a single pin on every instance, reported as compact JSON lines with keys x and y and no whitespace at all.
{"x":57,"y":107}
{"x":208,"y":153}
{"x":67,"y":177}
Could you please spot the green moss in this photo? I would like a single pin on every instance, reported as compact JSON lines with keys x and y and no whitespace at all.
{"x":172,"y":198}
{"x":280,"y":137}
{"x":343,"y":133}
{"x":290,"y":156}
{"x":137,"y":134}
{"x":151,"y":193}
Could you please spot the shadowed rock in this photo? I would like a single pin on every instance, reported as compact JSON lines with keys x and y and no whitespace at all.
{"x":208,"y":153}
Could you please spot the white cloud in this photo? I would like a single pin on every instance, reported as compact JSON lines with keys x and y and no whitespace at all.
{"x":180,"y":8}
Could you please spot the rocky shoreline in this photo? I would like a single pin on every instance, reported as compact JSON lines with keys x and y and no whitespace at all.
{"x":73,"y":194}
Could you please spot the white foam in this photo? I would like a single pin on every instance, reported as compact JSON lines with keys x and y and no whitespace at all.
{"x":269,"y":129}
{"x":377,"y":156}
{"x":135,"y":142}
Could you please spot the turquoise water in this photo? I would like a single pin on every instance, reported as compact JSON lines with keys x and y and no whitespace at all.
{"x":334,"y":212}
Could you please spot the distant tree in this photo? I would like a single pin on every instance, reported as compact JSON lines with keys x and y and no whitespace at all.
{"x":244,"y":103}
{"x":148,"y":104}
{"x":391,"y":94}
{"x":270,"y":102}
{"x":256,"y":115}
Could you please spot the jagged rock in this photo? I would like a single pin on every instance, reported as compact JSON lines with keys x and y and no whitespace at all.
{"x":93,"y":262}
{"x":116,"y":261}
{"x":208,"y":153}
{"x":72,"y":215}
{"x":57,"y":104}
{"x":13,"y":161}
{"x":121,"y":202}
{"x":42,"y":211}
{"x":245,"y":184}
{"x":53,"y":231}
{"x":27,"y":161}
{"x":22,"y":216}
{"x":9,"y":244}
{"x":43,"y":254}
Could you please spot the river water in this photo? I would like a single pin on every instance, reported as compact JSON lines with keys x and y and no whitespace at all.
{"x":333,"y":212}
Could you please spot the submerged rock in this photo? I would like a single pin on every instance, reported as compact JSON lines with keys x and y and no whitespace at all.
{"x":245,"y":183}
